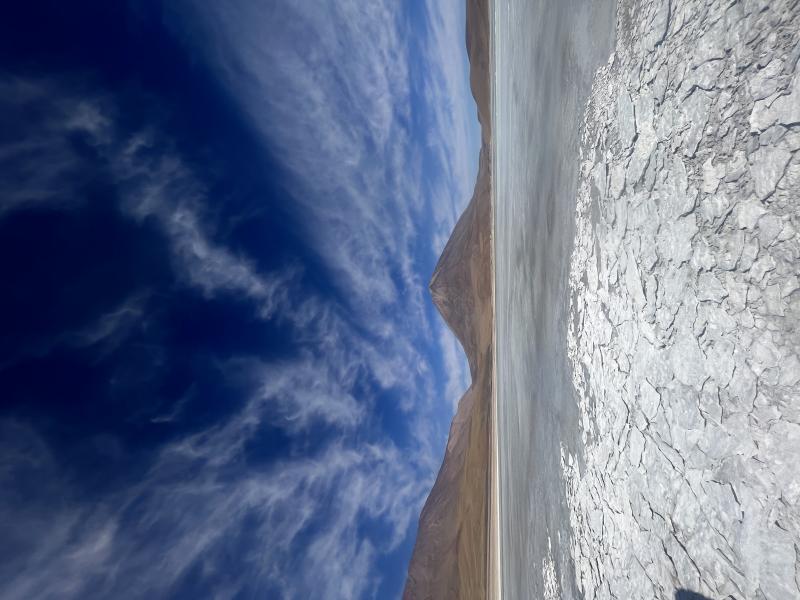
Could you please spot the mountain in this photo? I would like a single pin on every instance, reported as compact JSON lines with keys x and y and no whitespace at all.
{"x":451,"y":554}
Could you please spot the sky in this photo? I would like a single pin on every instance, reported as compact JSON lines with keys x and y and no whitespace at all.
{"x":221,"y":373}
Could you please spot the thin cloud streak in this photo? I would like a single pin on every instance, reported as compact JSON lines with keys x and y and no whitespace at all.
{"x":161,"y":186}
{"x":193,"y":504}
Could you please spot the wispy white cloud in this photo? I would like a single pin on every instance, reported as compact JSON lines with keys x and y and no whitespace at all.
{"x":196,"y":503}
{"x":41,"y":139}
{"x":306,"y":391}
{"x":159,"y":185}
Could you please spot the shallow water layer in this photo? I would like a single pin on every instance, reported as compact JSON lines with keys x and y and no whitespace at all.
{"x":546,"y":53}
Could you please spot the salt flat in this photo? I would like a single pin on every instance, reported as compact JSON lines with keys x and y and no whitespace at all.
{"x":546,"y":54}
{"x":647,"y":344}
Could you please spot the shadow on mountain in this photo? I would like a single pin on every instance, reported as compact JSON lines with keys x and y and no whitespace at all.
{"x":689,"y":595}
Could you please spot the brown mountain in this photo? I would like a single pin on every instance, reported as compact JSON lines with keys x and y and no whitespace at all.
{"x":451,"y":554}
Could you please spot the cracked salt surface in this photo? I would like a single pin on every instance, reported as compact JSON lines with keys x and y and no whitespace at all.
{"x":552,"y":591}
{"x":683,"y":333}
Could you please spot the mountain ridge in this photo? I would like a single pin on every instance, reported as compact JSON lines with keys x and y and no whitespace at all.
{"x":450,"y":556}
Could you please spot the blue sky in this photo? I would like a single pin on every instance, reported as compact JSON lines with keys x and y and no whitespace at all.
{"x":221,"y":374}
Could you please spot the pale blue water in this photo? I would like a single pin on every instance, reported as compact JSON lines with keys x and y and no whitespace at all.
{"x":546,"y":53}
